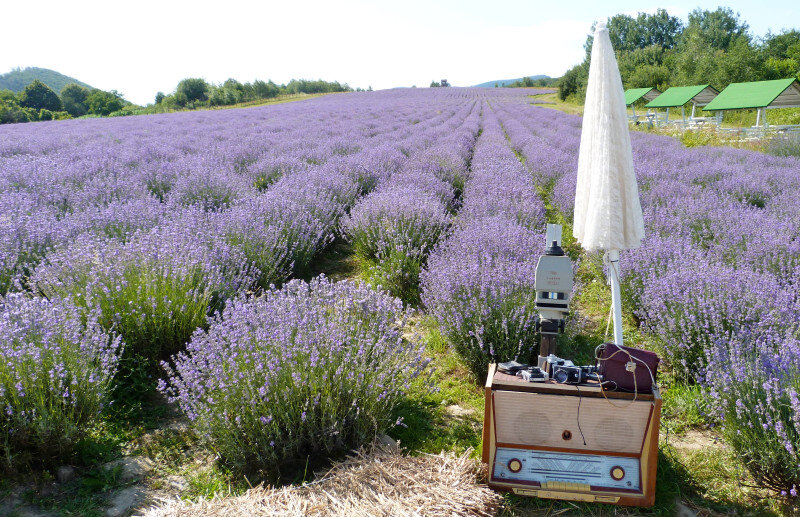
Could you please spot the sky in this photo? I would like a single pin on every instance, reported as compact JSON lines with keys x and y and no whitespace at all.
{"x":142,"y":47}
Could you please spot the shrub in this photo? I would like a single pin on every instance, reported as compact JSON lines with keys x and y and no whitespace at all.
{"x":299,"y":375}
{"x":192,"y":89}
{"x":479,"y":285}
{"x":27,"y":232}
{"x":208,"y":189}
{"x":280,"y":233}
{"x":155,"y":290}
{"x":119,"y":219}
{"x":265,"y":171}
{"x":696,"y":304}
{"x":269,"y":243}
{"x":393,"y":231}
{"x":423,"y":181}
{"x":756,"y":387}
{"x":55,"y":373}
{"x":784,"y":145}
{"x":321,"y":190}
{"x":372,"y":165}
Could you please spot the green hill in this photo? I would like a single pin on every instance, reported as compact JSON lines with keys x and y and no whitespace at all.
{"x":17,"y":79}
{"x":503,"y":82}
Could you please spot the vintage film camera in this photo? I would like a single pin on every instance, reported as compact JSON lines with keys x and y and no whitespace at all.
{"x":564,"y":371}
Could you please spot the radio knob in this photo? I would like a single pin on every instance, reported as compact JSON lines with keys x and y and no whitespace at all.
{"x":514,"y":465}
{"x":617,"y":473}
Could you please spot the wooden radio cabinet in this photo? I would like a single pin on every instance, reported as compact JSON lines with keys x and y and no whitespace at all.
{"x":560,"y":441}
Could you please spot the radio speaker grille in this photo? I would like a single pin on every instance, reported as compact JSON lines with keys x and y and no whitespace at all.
{"x":552,"y":421}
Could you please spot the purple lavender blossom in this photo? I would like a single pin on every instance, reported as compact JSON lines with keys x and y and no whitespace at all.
{"x":317,"y":367}
{"x":55,"y":376}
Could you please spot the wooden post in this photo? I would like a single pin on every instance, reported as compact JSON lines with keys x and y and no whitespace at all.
{"x":547,"y":346}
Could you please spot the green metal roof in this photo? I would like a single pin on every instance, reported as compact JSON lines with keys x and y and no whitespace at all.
{"x":677,"y":96}
{"x":634,"y":94}
{"x":780,"y":93}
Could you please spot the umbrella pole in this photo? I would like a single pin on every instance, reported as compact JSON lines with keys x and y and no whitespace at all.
{"x":616,"y":300}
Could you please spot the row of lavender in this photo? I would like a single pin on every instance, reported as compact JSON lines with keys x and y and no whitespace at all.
{"x":479,"y":283}
{"x":394,"y":228}
{"x":141,"y":228}
{"x":716,"y":280}
{"x":54,"y":190}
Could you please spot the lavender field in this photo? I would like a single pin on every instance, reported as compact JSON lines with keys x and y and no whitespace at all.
{"x":172,"y":251}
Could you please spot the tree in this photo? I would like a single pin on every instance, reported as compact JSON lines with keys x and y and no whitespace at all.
{"x":779,"y":46}
{"x":10,"y":110}
{"x":103,"y":103}
{"x":573,"y":81}
{"x":159,"y":97}
{"x":434,"y":84}
{"x":193,"y":89}
{"x":73,"y":98}
{"x":38,"y":95}
{"x":266,"y":90}
{"x":716,"y":29}
{"x":628,"y":33}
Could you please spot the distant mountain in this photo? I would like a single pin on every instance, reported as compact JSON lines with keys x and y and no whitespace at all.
{"x":503,"y":82}
{"x":17,"y":79}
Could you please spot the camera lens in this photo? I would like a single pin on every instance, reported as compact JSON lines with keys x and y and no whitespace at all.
{"x":561,"y":376}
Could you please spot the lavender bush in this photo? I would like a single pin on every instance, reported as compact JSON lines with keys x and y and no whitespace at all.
{"x":757,"y":393}
{"x":695,"y":305}
{"x":280,"y":233}
{"x":393,"y":231}
{"x":480,"y":287}
{"x":154,"y":290}
{"x":208,"y":190}
{"x":27,"y":233}
{"x":56,"y":367}
{"x":301,"y":374}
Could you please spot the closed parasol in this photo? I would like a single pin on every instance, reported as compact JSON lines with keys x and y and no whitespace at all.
{"x":608,"y":215}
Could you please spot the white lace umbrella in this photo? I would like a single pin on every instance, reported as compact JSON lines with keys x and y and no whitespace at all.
{"x":608,"y":215}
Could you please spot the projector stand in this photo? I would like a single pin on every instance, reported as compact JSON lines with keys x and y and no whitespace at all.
{"x":548,"y":330}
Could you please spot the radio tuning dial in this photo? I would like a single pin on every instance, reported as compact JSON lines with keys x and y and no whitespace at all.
{"x":514,"y":465}
{"x":617,"y":473}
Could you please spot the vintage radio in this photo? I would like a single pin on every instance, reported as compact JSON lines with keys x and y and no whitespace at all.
{"x":577,"y":443}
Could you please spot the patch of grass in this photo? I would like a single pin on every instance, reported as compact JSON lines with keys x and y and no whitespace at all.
{"x":684,"y":407}
{"x":171,"y":449}
{"x":337,"y":262}
{"x":427,"y":424}
{"x":551,"y":100}
{"x":214,"y":481}
{"x":84,"y":496}
{"x":712,"y":479}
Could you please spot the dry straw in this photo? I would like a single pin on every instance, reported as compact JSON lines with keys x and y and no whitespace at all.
{"x":379,"y":481}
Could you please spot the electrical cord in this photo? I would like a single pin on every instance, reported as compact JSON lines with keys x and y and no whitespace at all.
{"x":578,"y":416}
